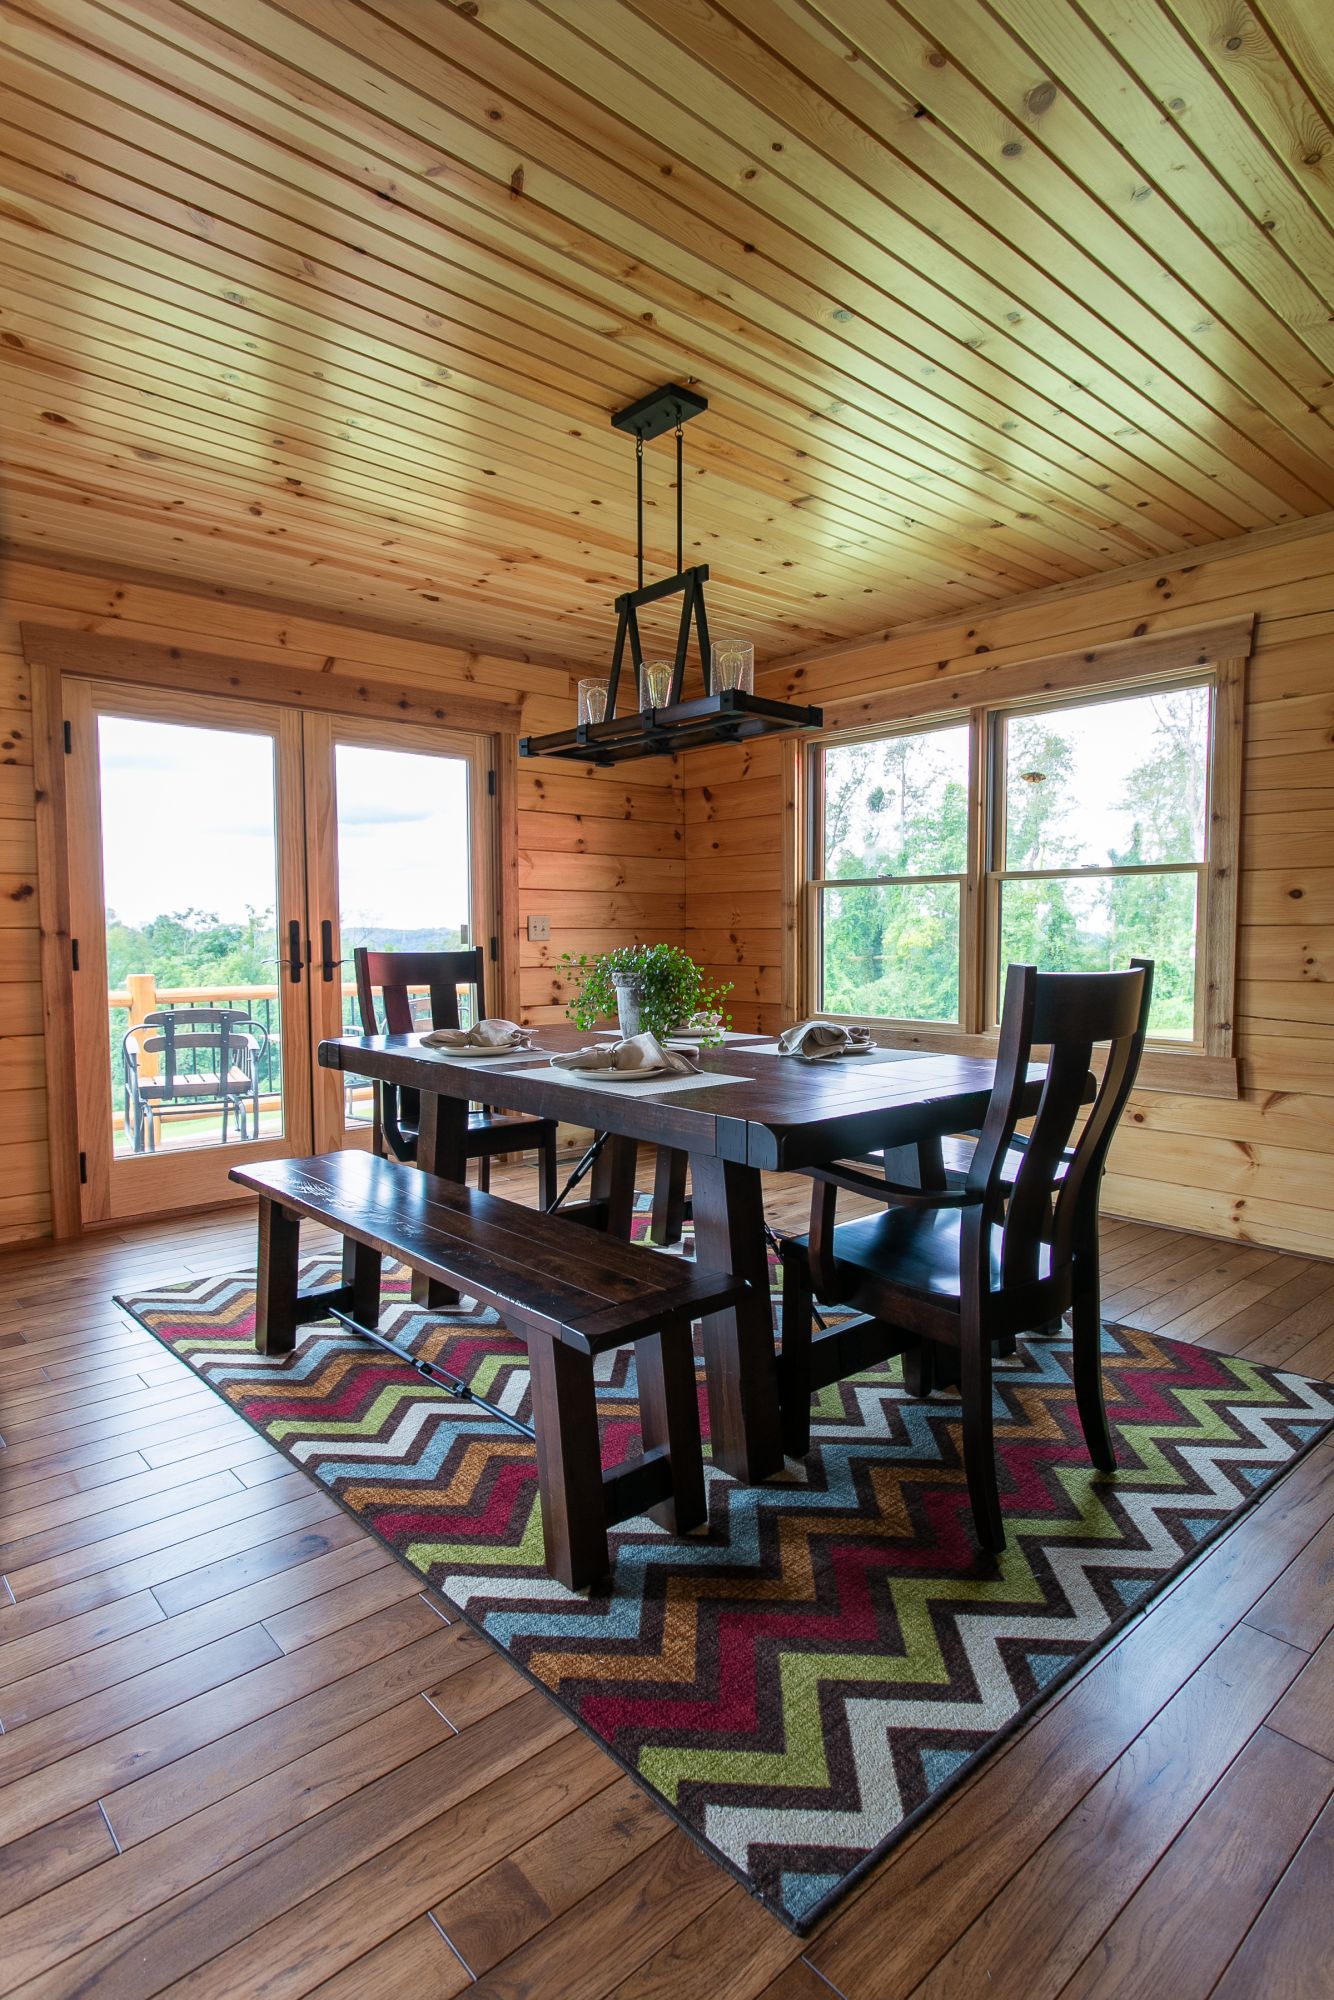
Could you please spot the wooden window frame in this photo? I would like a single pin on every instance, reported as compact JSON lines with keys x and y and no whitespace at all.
{"x":1207,"y":1065}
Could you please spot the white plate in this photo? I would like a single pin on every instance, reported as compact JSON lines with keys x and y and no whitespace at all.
{"x":475,"y":1049}
{"x":629,"y":1075}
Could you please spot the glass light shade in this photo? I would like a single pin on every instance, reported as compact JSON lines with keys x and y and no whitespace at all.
{"x":733,"y":666}
{"x":655,"y":683}
{"x":592,"y":701}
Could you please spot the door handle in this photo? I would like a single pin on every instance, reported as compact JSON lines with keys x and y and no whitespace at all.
{"x":294,"y":951}
{"x":328,"y":963}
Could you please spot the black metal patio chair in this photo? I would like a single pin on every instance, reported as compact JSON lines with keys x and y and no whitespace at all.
{"x":209,"y":1059}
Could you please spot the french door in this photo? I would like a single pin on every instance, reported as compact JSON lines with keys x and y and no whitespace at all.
{"x":225,"y":858}
{"x":399,"y":857}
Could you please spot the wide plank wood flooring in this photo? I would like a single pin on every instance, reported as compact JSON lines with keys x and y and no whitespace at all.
{"x":243,"y":1752}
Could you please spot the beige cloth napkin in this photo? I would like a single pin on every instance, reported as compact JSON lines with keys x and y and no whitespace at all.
{"x":643,"y":1055}
{"x":824,"y":1041}
{"x":489,"y":1034}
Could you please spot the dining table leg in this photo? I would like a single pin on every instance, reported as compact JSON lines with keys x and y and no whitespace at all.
{"x":613,"y":1184}
{"x":442,"y":1149}
{"x":744,"y":1424}
{"x":921,"y":1164}
{"x":669,"y":1196}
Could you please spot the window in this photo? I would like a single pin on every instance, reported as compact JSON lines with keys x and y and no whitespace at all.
{"x":891,"y":874}
{"x":1102,"y":812}
{"x":1073,"y":834}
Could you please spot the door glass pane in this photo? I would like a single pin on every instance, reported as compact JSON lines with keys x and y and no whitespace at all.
{"x":1108,"y":784}
{"x":404,"y":865}
{"x":891,"y":949}
{"x":190,"y":871}
{"x":1099,"y":925}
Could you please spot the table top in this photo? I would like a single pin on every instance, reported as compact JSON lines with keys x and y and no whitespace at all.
{"x":779,"y":1113}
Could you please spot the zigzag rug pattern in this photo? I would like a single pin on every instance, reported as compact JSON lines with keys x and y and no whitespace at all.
{"x":800,"y":1681}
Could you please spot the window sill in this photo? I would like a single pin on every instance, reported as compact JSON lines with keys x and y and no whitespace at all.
{"x":1175,"y":1072}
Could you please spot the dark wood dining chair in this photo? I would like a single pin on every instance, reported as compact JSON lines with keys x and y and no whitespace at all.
{"x":943,"y":1273}
{"x":385,"y":980}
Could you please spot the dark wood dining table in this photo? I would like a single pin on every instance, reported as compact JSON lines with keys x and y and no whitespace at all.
{"x":775,"y":1115}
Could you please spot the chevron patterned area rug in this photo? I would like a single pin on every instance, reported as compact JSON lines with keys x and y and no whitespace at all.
{"x":802,"y":1681}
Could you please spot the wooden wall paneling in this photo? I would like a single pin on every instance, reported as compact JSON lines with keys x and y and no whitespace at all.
{"x":947,"y":127}
{"x":333,"y":314}
{"x":1243,"y":1166}
{"x":604,"y":858}
{"x":335,"y":309}
{"x":1279,"y":574}
{"x":675,"y":102}
{"x":183,"y":667}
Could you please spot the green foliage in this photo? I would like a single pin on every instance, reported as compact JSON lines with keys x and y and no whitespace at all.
{"x":672,"y":988}
{"x":193,"y":948}
{"x":899,"y":808}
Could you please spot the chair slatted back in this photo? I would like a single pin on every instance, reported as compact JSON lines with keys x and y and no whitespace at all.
{"x":218,"y":1032}
{"x":1070,"y":1014}
{"x":392,"y":974}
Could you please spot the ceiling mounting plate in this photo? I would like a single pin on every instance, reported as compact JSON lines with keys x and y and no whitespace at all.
{"x":660,"y":411}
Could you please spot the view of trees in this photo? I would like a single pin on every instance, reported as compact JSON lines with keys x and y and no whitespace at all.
{"x":194,"y":948}
{"x":1106,"y":786}
{"x":197,"y":948}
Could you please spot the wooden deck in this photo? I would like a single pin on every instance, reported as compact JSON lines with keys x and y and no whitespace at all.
{"x":242,"y":1752}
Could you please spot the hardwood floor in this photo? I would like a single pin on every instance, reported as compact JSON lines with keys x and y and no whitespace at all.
{"x":243,"y":1752}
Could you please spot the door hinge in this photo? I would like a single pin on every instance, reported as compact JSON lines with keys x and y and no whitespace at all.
{"x":69,"y":740}
{"x":490,"y":783}
{"x":495,"y":949}
{"x":74,"y":954}
{"x":83,"y":1170}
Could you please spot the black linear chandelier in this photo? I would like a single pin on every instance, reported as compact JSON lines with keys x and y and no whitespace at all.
{"x":663,"y":721}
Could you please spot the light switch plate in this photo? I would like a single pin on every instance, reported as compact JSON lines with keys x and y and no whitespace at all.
{"x":539,"y":928}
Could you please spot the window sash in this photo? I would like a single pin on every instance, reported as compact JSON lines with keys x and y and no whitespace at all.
{"x":815,"y":928}
{"x":994,"y":718}
{"x":980,"y":972}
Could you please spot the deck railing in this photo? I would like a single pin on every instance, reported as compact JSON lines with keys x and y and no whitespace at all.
{"x":141,"y":995}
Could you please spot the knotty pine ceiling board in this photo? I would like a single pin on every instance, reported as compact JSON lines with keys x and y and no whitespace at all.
{"x":331,"y":301}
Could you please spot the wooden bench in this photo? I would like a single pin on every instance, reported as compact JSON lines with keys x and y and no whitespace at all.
{"x":568,"y":1293}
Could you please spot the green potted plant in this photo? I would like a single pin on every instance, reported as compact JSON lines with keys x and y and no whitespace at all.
{"x":645,"y":987}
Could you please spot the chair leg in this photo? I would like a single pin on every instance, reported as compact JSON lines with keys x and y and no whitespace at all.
{"x":547,"y":1189}
{"x":276,"y":1279}
{"x":979,"y":1441}
{"x":1087,"y":1327}
{"x":669,"y":1415}
{"x":569,"y":1463}
{"x":794,"y":1362}
{"x":919,"y":1370}
{"x":484,"y":1172}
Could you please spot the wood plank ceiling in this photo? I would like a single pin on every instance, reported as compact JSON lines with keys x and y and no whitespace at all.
{"x":330,"y":301}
